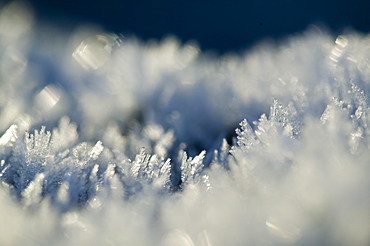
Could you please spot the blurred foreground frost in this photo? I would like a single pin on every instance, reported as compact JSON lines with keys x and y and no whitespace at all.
{"x":109,"y":141}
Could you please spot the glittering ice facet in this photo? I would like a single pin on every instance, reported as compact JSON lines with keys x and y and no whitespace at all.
{"x":95,"y":51}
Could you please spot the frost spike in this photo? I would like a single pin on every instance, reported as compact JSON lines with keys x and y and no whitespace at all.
{"x":96,"y":150}
{"x":10,"y":135}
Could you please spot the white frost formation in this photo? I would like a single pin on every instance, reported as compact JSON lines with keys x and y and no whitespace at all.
{"x":146,"y":160}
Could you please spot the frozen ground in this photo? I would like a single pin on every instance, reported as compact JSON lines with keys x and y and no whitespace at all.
{"x":111,"y":141}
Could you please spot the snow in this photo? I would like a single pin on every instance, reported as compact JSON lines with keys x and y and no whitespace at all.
{"x":107,"y":140}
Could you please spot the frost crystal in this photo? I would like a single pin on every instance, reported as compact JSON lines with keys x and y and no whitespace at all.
{"x":138,"y":146}
{"x":246,"y":136}
{"x":191,"y":168}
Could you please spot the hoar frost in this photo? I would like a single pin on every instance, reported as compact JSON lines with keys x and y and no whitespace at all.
{"x":112,"y":141}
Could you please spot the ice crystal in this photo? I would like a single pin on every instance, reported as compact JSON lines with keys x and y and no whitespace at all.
{"x":191,"y":168}
{"x":123,"y":142}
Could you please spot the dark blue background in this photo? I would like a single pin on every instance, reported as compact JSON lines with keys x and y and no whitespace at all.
{"x":216,"y":24}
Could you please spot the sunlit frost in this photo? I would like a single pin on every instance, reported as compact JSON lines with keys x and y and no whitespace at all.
{"x":136,"y":143}
{"x":95,"y":51}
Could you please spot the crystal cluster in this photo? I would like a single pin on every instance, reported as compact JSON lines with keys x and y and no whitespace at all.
{"x":107,"y":140}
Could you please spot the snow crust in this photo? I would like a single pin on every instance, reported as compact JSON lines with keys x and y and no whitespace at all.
{"x":111,"y":141}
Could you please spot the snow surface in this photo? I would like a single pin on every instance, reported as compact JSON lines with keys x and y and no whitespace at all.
{"x":111,"y":141}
